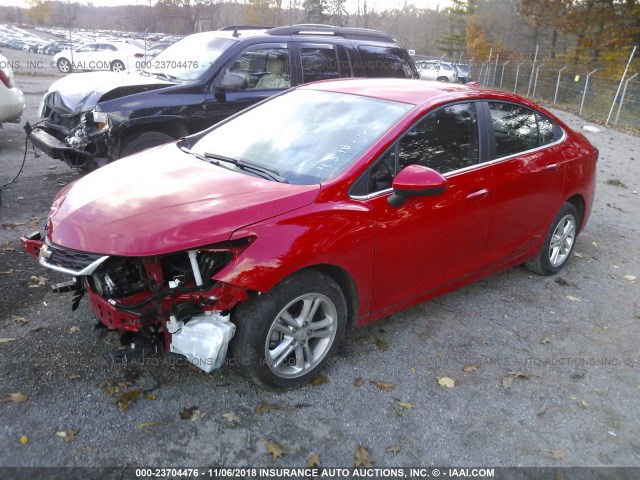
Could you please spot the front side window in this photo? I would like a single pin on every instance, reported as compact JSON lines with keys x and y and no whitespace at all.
{"x":444,"y":140}
{"x":515,"y":128}
{"x":263,"y":67}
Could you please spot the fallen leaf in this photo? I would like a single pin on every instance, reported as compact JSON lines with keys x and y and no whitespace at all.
{"x":266,"y":407}
{"x":446,"y":382}
{"x":358,"y":382}
{"x":5,"y":340}
{"x":151,"y":396}
{"x":470,"y":368}
{"x":413,"y":370}
{"x":578,"y":254}
{"x":231,"y":417}
{"x":8,"y":249}
{"x":558,"y":454}
{"x":187,"y":412}
{"x":125,"y":400}
{"x":16,"y":397}
{"x":319,"y":380}
{"x":69,"y":435}
{"x":562,"y":281}
{"x":197,"y":415}
{"x":18,"y":319}
{"x":146,"y":425}
{"x":584,"y":404}
{"x":572,"y":298}
{"x":362,"y":457}
{"x":393,"y":448}
{"x":387,"y":387}
{"x":631,"y":278}
{"x":545,"y":340}
{"x":382,"y":345}
{"x":74,"y":376}
{"x":24,"y":440}
{"x":313,"y":460}
{"x":275,"y":450}
{"x":573,"y":397}
{"x":506,"y":382}
{"x":406,"y":405}
{"x":519,"y":374}
{"x":7,"y":272}
{"x":74,"y":329}
{"x":124,"y":383}
{"x":595,"y":244}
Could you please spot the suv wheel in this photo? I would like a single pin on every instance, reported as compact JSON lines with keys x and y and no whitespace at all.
{"x":64,"y":65}
{"x":144,"y":141}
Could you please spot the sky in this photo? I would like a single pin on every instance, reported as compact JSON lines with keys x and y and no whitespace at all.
{"x":351,"y":4}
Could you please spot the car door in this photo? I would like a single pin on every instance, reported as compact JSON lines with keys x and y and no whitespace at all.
{"x":252,"y":64}
{"x":529,"y":177}
{"x":84,"y":57}
{"x":429,"y":242}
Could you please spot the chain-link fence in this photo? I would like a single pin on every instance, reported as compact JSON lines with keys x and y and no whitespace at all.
{"x":586,"y":92}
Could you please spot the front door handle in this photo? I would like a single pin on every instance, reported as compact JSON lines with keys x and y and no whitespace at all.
{"x":552,"y":167}
{"x":478,"y":194}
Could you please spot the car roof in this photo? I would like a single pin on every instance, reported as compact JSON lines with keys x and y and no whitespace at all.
{"x":415,"y":92}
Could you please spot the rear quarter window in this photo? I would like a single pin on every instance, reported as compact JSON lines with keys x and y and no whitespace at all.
{"x":385,"y":62}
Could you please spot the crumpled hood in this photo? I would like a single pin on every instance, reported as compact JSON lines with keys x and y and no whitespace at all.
{"x":164,"y":200}
{"x":80,"y":92}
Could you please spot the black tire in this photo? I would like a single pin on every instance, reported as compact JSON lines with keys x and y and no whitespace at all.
{"x":558,"y":244}
{"x":64,"y":65}
{"x":144,"y":141}
{"x":117,"y":66}
{"x":261,"y":328}
{"x":443,"y":79}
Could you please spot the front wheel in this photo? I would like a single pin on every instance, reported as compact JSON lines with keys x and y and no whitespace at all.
{"x":285,"y":337}
{"x":144,"y":141}
{"x":559,"y":243}
{"x":64,"y":65}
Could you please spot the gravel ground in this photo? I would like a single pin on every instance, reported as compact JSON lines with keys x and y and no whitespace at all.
{"x":551,"y":378}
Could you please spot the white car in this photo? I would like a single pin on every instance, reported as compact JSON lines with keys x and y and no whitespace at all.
{"x":436,"y":70}
{"x":11,"y":99}
{"x":103,"y":55}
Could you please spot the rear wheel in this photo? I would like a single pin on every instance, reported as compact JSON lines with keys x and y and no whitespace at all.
{"x":443,"y":79}
{"x":285,"y":337}
{"x":64,"y":65}
{"x":558,"y":244}
{"x":144,"y":141}
{"x":117,"y":66}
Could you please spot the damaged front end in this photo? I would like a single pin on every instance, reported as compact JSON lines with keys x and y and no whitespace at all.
{"x":75,"y":138}
{"x":165,"y":303}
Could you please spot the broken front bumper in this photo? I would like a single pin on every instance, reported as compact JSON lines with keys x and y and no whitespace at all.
{"x":57,"y":149}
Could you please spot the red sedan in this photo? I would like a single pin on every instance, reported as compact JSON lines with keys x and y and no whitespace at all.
{"x":328,"y":206}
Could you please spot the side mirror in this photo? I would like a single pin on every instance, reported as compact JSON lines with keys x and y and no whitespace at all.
{"x":416,"y":181}
{"x":232,"y":81}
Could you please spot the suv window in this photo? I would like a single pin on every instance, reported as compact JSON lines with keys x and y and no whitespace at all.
{"x":319,"y":63}
{"x":444,"y":140}
{"x":263,"y":67}
{"x":385,"y":62}
{"x":517,"y":129}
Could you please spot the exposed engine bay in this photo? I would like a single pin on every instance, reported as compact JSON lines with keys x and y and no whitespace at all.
{"x":167,"y":303}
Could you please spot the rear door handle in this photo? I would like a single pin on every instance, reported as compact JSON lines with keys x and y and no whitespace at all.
{"x":552,"y":167}
{"x":478,"y":194}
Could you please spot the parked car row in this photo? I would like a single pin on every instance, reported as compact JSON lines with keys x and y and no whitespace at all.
{"x":443,"y":71}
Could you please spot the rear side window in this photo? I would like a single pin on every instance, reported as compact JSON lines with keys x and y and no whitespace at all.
{"x":318,"y":63}
{"x":518,"y":129}
{"x":385,"y":62}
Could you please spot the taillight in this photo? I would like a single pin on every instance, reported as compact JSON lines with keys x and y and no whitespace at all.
{"x":6,"y":79}
{"x":138,"y":55}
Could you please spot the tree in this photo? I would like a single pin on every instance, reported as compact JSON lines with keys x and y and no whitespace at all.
{"x":39,"y":12}
{"x":192,"y":12}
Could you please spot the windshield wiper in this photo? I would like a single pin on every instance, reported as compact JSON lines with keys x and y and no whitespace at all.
{"x":241,"y":164}
{"x":247,"y":166}
{"x":160,"y":74}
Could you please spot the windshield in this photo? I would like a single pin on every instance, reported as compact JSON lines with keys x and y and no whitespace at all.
{"x":190,"y":57}
{"x":306,"y":136}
